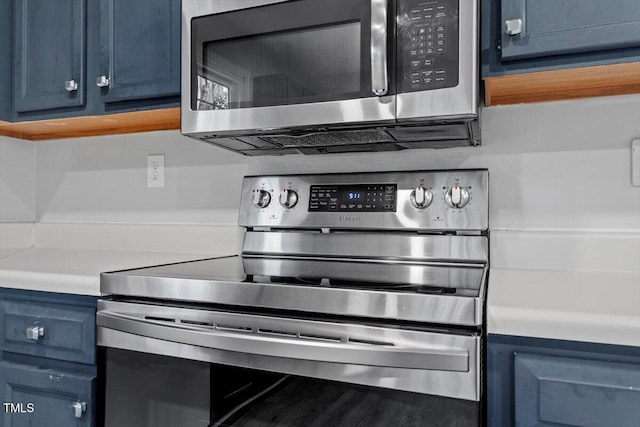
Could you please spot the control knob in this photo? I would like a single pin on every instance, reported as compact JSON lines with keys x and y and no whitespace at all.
{"x":288,"y":198}
{"x":421,"y":197}
{"x":261,"y":198}
{"x":456,"y":197}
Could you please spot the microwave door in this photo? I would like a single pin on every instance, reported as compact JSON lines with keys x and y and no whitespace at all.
{"x":303,"y":63}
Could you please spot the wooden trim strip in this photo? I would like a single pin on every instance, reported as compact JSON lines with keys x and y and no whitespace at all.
{"x":111,"y":124}
{"x":603,"y":80}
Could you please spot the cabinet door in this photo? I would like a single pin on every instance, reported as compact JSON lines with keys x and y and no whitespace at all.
{"x":6,"y":28}
{"x":552,"y":391}
{"x":561,"y":27}
{"x":45,"y":398}
{"x":49,"y":54}
{"x":139,"y":49}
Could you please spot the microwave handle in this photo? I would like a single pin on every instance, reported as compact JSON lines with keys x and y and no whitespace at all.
{"x":379,"y":80}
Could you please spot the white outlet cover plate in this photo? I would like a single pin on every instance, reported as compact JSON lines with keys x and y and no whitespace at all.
{"x":155,"y":170}
{"x":635,"y":162}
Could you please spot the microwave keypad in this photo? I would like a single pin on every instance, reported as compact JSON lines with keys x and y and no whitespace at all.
{"x":428,"y":48}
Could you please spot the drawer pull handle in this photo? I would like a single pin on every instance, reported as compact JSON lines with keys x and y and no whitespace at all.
{"x":70,"y":85}
{"x":79,"y":408}
{"x":35,"y":332}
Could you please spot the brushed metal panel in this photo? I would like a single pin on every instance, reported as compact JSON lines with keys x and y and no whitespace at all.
{"x":438,"y":216}
{"x":455,"y":102}
{"x":463,"y":384}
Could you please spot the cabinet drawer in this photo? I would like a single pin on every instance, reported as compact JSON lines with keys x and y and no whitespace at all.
{"x":44,"y":397}
{"x":47,"y":329}
{"x":551,"y":391}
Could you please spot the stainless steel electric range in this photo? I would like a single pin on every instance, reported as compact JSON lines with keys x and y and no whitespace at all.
{"x":358,"y":299}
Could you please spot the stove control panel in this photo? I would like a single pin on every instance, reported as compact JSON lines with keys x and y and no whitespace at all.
{"x":416,"y":200}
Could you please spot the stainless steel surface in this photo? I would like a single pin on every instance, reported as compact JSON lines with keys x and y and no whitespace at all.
{"x":78,"y":409}
{"x":70,"y":85}
{"x":197,"y":282}
{"x":383,"y":276}
{"x":359,"y":354}
{"x":446,"y":117}
{"x":35,"y":332}
{"x":457,"y":102}
{"x":390,"y":299}
{"x":379,"y":77}
{"x":369,"y":245}
{"x":102,"y":81}
{"x":374,"y":109}
{"x":438,"y":216}
{"x":513,"y":27}
{"x":281,"y":343}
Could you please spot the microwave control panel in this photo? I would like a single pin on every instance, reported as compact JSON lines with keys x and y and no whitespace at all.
{"x":428,"y":44}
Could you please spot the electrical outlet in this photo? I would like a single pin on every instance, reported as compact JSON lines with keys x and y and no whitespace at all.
{"x":635,"y":162}
{"x":155,"y":170}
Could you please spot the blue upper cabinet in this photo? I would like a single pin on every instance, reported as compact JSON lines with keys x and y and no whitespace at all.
{"x":535,"y":35}
{"x":91,"y":57}
{"x":49,"y":54}
{"x":537,"y":28}
{"x":6,"y":28}
{"x":139,"y":49}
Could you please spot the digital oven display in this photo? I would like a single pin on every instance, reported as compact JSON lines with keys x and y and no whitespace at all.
{"x":353,"y":198}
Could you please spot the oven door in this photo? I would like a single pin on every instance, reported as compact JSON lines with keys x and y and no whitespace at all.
{"x":168,"y":364}
{"x":260,"y":65}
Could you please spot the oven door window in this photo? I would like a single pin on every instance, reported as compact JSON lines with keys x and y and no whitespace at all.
{"x":297,"y":52}
{"x":243,"y":398}
{"x":152,"y":390}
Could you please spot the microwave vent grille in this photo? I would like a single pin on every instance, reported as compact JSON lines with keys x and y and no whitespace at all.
{"x":330,"y":138}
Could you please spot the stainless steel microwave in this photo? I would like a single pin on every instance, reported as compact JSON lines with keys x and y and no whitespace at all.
{"x":330,"y":76}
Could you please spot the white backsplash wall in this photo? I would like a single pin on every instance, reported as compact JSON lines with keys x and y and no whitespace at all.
{"x":104,"y":179}
{"x":17,"y":180}
{"x":560,"y":165}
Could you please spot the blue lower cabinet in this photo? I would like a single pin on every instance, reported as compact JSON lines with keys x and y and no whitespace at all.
{"x":48,"y":373}
{"x":44,"y":397}
{"x":575,"y":392}
{"x":541,"y":382}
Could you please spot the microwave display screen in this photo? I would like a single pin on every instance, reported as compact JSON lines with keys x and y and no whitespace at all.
{"x":299,"y":65}
{"x":353,"y":198}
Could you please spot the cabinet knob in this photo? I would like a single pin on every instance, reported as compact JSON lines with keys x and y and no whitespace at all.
{"x":102,"y":81}
{"x":79,"y":408}
{"x":513,"y":27}
{"x":35,"y":332}
{"x":70,"y":85}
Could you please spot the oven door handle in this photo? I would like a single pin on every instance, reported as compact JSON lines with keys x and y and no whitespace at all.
{"x":379,"y":79}
{"x":294,"y":347}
